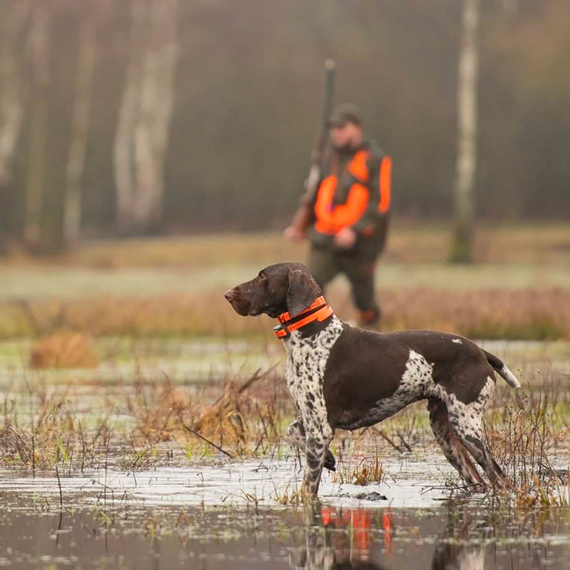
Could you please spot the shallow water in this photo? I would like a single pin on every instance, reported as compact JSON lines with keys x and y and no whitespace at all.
{"x":412,"y":484}
{"x":195,"y":361}
{"x":200,"y":360}
{"x":230,"y":515}
{"x":33,"y":535}
{"x":245,"y":514}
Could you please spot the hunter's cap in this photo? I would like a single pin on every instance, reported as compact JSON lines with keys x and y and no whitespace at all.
{"x":345,"y":113}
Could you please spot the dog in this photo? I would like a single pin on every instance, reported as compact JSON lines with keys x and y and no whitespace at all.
{"x":342,"y":377}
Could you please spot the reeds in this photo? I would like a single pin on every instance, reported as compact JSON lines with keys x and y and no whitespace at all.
{"x":510,"y":296}
{"x":484,"y":314}
{"x":529,"y":434}
{"x":147,"y":423}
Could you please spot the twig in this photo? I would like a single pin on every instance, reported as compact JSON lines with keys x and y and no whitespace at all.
{"x":404,"y":441}
{"x":381,"y":432}
{"x":223,"y":399}
{"x":257,"y":376}
{"x":199,"y":435}
{"x":59,"y":483}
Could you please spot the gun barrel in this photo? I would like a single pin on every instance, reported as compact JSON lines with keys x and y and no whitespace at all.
{"x":303,"y":215}
{"x":326,"y":109}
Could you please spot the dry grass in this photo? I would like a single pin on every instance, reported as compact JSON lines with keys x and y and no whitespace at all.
{"x":248,"y":418}
{"x":52,"y":435}
{"x":367,"y":470}
{"x":235,"y":418}
{"x":529,"y":436}
{"x":488,"y":314}
{"x":501,"y":299}
{"x":411,"y":241}
{"x":64,"y":349}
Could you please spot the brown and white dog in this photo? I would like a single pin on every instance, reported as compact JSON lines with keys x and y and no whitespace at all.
{"x":348,"y":378}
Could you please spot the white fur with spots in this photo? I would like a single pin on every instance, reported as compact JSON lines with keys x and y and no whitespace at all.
{"x":416,"y":384}
{"x":465,"y":420}
{"x":304,"y":373}
{"x":311,"y":432}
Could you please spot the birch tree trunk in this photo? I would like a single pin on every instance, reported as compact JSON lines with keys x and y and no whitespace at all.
{"x":466,"y":166}
{"x":11,"y":96}
{"x":80,"y":129}
{"x":125,"y":178}
{"x":511,"y":8}
{"x":11,"y":104}
{"x":146,"y":110}
{"x":39,"y":121}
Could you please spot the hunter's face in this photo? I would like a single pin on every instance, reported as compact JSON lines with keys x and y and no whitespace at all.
{"x":344,"y":136}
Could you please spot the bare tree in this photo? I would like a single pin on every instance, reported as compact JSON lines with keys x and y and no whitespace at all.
{"x":466,"y":164}
{"x":11,"y":88}
{"x":39,"y":120}
{"x":511,"y":8}
{"x":144,"y":122}
{"x":12,"y":21}
{"x":80,"y":126}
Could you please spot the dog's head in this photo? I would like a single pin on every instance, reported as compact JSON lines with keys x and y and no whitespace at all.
{"x":280,"y":288}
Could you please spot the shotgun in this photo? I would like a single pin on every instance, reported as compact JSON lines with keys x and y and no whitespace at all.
{"x":303,"y":215}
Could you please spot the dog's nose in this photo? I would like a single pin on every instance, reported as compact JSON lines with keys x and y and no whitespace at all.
{"x":229,"y":294}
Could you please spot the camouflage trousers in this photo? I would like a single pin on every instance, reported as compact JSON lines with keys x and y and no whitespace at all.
{"x":358,"y":265}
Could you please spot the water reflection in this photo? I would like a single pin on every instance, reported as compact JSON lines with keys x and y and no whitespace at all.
{"x":35,"y":534}
{"x":459,"y":537}
{"x":339,"y":539}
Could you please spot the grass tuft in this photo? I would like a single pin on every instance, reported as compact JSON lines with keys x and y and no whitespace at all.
{"x":64,"y":349}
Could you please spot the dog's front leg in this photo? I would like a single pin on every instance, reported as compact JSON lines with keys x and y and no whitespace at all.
{"x":296,"y":435}
{"x":318,"y":438}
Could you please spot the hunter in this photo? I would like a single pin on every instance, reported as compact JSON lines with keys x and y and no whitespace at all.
{"x":346,"y":219}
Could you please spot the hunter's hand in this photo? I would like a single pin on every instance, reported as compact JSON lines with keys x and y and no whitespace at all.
{"x":345,"y":239}
{"x":294,"y":234}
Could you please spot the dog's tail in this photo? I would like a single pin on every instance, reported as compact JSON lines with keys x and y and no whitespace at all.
{"x":502,"y":370}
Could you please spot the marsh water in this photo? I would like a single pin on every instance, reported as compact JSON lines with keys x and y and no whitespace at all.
{"x":230,"y":514}
{"x":35,"y":534}
{"x":214,"y":513}
{"x":201,"y":360}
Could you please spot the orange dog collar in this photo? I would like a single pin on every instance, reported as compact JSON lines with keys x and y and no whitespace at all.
{"x":318,"y":310}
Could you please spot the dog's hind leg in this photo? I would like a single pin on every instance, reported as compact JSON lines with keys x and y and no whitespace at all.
{"x":473,"y":438}
{"x":296,"y":435}
{"x":450,"y":444}
{"x":466,"y":421}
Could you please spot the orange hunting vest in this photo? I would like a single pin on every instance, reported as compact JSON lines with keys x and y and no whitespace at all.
{"x":331,"y":218}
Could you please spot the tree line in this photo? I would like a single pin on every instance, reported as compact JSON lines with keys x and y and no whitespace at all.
{"x":146,"y":116}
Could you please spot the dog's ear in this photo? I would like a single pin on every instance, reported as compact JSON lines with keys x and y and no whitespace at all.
{"x":302,"y":291}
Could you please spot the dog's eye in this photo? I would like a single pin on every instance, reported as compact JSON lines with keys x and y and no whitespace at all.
{"x":262,"y":277}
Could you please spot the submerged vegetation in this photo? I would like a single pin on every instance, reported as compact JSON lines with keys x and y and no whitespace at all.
{"x":147,"y":424}
{"x":108,"y":452}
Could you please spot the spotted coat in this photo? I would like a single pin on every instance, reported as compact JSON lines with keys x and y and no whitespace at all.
{"x":304,"y":373}
{"x":342,"y":377}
